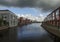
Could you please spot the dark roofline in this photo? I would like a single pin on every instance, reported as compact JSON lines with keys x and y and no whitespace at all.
{"x":4,"y":10}
{"x":7,"y":10}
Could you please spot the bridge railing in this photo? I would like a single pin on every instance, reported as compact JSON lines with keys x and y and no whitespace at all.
{"x":53,"y":18}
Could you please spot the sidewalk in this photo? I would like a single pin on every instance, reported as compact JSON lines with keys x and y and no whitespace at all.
{"x":53,"y":30}
{"x":3,"y":27}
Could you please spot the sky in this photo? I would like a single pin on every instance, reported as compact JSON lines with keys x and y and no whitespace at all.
{"x":35,"y":8}
{"x":27,"y":12}
{"x":44,"y":4}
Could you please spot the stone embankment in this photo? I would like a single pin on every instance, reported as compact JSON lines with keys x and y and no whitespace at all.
{"x":3,"y":28}
{"x":53,"y":30}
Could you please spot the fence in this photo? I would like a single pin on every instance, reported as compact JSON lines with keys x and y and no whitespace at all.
{"x":53,"y":18}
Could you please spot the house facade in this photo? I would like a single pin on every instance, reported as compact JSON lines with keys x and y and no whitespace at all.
{"x":9,"y":18}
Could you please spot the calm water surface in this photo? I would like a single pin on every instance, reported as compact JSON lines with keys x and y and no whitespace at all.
{"x":33,"y":33}
{"x":28,"y":33}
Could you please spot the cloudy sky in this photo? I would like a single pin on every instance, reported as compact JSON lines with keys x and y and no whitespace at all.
{"x":31,"y":7}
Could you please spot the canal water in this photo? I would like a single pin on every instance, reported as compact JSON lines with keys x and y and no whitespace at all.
{"x":28,"y":33}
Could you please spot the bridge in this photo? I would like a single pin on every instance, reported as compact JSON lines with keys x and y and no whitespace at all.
{"x":52,"y":24}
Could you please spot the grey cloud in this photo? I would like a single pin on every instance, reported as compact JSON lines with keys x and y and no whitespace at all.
{"x":26,"y":3}
{"x":46,"y":5}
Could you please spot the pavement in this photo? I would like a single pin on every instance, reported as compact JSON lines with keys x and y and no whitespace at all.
{"x":3,"y":27}
{"x":53,"y":30}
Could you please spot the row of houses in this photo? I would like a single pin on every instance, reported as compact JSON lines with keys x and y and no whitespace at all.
{"x":24,"y":21}
{"x":9,"y":18}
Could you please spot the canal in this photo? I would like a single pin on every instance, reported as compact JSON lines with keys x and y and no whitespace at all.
{"x":28,"y":33}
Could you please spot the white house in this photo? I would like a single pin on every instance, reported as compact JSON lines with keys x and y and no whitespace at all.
{"x":9,"y":17}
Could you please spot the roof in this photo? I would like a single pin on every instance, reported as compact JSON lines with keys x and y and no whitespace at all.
{"x":4,"y":10}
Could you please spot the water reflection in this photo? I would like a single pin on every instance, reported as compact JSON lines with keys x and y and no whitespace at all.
{"x":33,"y":32}
{"x":28,"y":33}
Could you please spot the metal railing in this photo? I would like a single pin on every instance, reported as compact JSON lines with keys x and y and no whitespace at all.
{"x":53,"y":18}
